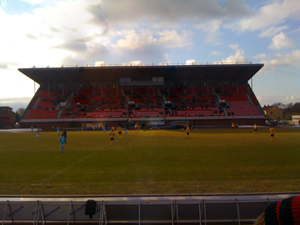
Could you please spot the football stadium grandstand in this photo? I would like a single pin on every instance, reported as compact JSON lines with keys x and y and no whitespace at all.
{"x":165,"y":95}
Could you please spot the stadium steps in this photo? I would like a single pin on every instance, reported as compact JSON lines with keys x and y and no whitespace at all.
{"x":36,"y":103}
{"x":67,"y":105}
{"x":249,"y":99}
{"x":59,"y":112}
{"x":26,"y":113}
{"x":122,"y":92}
{"x":260,"y":110}
{"x":213,"y":91}
{"x":30,"y":105}
{"x":217,"y":103}
{"x":158,"y":91}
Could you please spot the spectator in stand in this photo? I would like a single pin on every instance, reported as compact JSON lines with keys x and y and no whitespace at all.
{"x":284,"y":212}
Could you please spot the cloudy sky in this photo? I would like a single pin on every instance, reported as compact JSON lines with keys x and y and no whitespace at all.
{"x":52,"y":33}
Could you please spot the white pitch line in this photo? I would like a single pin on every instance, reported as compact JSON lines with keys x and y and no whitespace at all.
{"x":72,"y":165}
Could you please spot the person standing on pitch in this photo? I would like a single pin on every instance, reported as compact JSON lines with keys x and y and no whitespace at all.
{"x":272,"y":131}
{"x":111,"y":136}
{"x":62,"y":141}
{"x":232,"y":125}
{"x":188,"y":132}
{"x":58,"y":131}
{"x":119,"y":129}
{"x":255,"y":129}
{"x":38,"y":134}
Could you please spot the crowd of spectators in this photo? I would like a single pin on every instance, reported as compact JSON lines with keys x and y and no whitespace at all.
{"x":50,"y":102}
{"x":178,"y":99}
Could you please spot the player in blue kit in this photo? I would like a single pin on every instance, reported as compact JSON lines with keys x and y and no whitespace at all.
{"x":62,"y":141}
{"x":38,"y":134}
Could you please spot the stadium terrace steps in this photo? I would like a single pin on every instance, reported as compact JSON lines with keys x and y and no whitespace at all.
{"x":199,"y":112}
{"x":236,"y":90}
{"x":241,"y":108}
{"x":255,"y":102}
{"x":42,"y":114}
{"x":235,"y":97}
{"x":107,"y":104}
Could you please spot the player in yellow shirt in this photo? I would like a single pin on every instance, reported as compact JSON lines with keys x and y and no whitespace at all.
{"x":255,"y":129}
{"x":119,"y":129}
{"x":232,"y":126}
{"x":111,"y":136}
{"x":188,"y":132}
{"x":272,"y":131}
{"x":136,"y":127}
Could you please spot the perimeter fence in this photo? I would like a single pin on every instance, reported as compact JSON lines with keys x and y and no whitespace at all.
{"x":211,"y":209}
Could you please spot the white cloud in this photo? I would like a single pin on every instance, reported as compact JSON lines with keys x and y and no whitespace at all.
{"x":238,"y":57}
{"x":272,"y":31}
{"x":166,"y":57}
{"x":3,"y":66}
{"x":234,"y":47}
{"x":100,"y":63}
{"x":191,"y":62}
{"x":216,"y":53}
{"x":132,"y":40}
{"x":130,"y":13}
{"x":285,"y":99}
{"x":212,"y":28}
{"x":260,"y":56}
{"x":134,"y":63}
{"x":271,"y":14}
{"x":288,"y":60}
{"x":32,"y":2}
{"x":137,"y":41}
{"x":281,"y":41}
{"x":293,"y":98}
{"x":15,"y":102}
{"x":172,"y":39}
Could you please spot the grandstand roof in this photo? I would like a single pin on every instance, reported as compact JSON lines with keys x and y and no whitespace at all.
{"x":241,"y":72}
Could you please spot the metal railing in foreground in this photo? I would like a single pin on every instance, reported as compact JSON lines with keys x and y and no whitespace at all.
{"x":190,"y":209}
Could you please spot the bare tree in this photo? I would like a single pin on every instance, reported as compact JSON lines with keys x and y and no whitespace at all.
{"x":289,"y":105}
{"x":279,"y":105}
{"x":20,"y":111}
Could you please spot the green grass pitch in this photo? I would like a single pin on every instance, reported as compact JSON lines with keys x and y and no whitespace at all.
{"x":151,"y":162}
